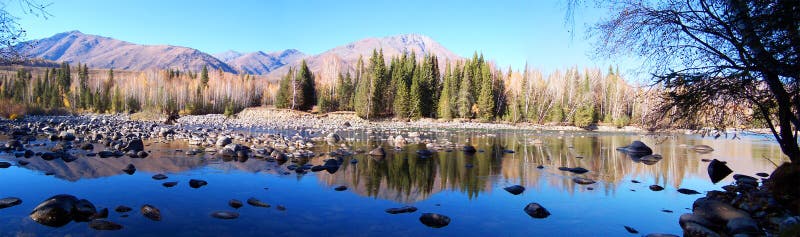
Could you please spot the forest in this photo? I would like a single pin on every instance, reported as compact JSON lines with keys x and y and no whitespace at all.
{"x":401,"y":87}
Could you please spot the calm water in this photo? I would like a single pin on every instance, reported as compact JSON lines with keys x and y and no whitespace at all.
{"x":467,"y":188}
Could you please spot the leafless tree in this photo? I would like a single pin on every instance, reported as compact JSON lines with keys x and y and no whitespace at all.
{"x":12,"y":35}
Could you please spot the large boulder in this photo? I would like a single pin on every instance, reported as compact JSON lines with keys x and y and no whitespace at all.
{"x":536,"y":211}
{"x":56,"y":211}
{"x":134,"y":145}
{"x":718,"y":170}
{"x":223,"y":141}
{"x":434,"y":220}
{"x":636,"y":149}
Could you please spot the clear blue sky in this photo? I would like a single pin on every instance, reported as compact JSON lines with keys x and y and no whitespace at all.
{"x":508,"y":32}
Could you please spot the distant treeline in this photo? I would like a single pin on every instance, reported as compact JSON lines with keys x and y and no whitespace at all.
{"x":408,"y":87}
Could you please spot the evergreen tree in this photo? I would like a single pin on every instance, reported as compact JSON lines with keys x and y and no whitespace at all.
{"x":305,"y":87}
{"x":444,"y":108}
{"x":465,"y":98}
{"x":283,"y":97}
{"x":370,"y":89}
{"x":486,"y":98}
{"x":401,"y":100}
{"x":415,"y":96}
{"x":344,"y":92}
{"x":204,"y":77}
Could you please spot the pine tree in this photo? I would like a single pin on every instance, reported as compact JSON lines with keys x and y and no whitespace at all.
{"x":283,"y":98}
{"x":486,"y":96}
{"x":415,"y":96}
{"x":465,"y":99}
{"x":401,"y":99}
{"x":344,"y":92}
{"x":444,"y":109}
{"x":304,"y":84}
{"x":204,"y":77}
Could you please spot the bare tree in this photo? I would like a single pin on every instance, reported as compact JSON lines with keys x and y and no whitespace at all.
{"x":12,"y":35}
{"x":710,"y":51}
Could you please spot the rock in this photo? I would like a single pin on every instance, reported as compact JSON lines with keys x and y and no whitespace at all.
{"x":333,"y":137}
{"x":718,"y":171}
{"x":122,"y":209}
{"x":340,"y":188}
{"x":142,"y":154}
{"x":66,"y":136}
{"x":223,"y":141}
{"x":83,"y":210}
{"x":702,"y":149}
{"x":197,"y":183}
{"x":226,"y":215}
{"x":130,"y":169}
{"x":104,"y":225}
{"x":104,"y":154}
{"x":4,"y":164}
{"x":656,"y":187}
{"x":536,"y":211}
{"x":515,"y":189}
{"x":9,"y":202}
{"x":689,"y":217}
{"x":235,"y":203}
{"x":631,"y":230}
{"x":636,"y":149}
{"x":762,"y":174}
{"x":695,"y":230}
{"x":102,"y":214}
{"x":650,"y":159}
{"x":424,"y":153}
{"x":134,"y":145}
{"x":434,"y":220}
{"x":159,"y":177}
{"x":398,"y":210}
{"x":23,"y":163}
{"x":257,"y":203}
{"x":540,"y":166}
{"x":583,"y":181}
{"x":742,"y":225}
{"x":469,"y":149}
{"x":55,"y":211}
{"x":717,"y":212}
{"x":151,"y":212}
{"x":577,"y":170}
{"x":377,"y":152}
{"x":660,"y":235}
{"x":87,"y":146}
{"x":687,"y":191}
{"x":169,"y":184}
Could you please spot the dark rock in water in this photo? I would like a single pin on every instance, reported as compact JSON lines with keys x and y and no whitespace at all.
{"x":104,"y":225}
{"x":142,"y":154}
{"x":434,"y":220}
{"x":226,"y":215}
{"x":122,"y":209}
{"x":83,"y":210}
{"x":68,"y":158}
{"x":718,"y":171}
{"x":636,"y":149}
{"x":66,"y":136}
{"x":50,"y":156}
{"x":134,"y":145}
{"x":424,"y":153}
{"x":23,"y":163}
{"x":159,"y":177}
{"x":583,"y":181}
{"x":235,"y":203}
{"x":717,"y":212}
{"x":340,"y":188}
{"x":762,"y":174}
{"x":649,"y":159}
{"x":102,"y":214}
{"x":702,"y":149}
{"x":536,"y":211}
{"x":104,"y":154}
{"x":169,"y":184}
{"x":398,"y":210}
{"x":697,"y":219}
{"x":540,"y":167}
{"x":280,"y":208}
{"x":656,"y":187}
{"x":687,"y":191}
{"x":631,"y":230}
{"x":4,"y":164}
{"x":9,"y":202}
{"x":257,"y":203}
{"x":635,"y":181}
{"x":317,"y":168}
{"x":196,"y":183}
{"x":515,"y":189}
{"x":694,"y":229}
{"x":577,"y":170}
{"x":87,"y":146}
{"x":151,"y":212}
{"x":353,"y":161}
{"x":223,"y":141}
{"x":743,"y":225}
{"x":469,"y":149}
{"x":378,"y":152}
{"x":660,"y":235}
{"x":56,"y":211}
{"x":130,"y":169}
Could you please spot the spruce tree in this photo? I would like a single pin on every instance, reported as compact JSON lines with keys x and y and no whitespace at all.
{"x":306,"y":97}
{"x":415,"y":96}
{"x":283,"y":97}
{"x":444,"y":109}
{"x":486,"y":97}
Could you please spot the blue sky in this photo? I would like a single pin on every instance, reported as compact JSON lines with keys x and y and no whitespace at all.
{"x":508,"y":32}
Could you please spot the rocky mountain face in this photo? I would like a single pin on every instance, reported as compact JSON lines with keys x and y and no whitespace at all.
{"x":104,"y":52}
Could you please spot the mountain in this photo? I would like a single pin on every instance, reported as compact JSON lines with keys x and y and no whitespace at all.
{"x":259,"y":63}
{"x":328,"y":64}
{"x":104,"y":52}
